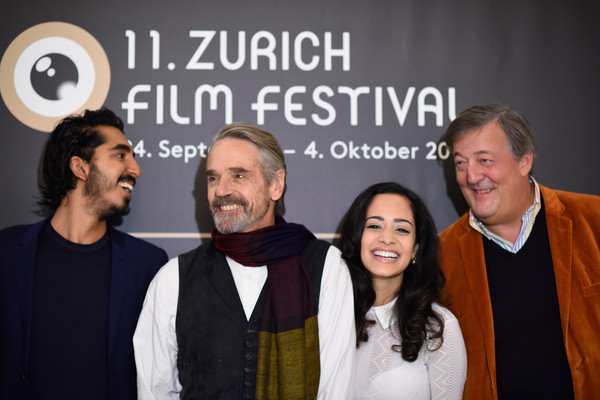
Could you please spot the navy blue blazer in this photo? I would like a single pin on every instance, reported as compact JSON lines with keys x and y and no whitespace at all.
{"x":134,"y":264}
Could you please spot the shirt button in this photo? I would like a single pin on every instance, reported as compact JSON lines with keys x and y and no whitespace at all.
{"x":249,"y":357}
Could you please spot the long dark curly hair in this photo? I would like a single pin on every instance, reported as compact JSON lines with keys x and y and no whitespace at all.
{"x":75,"y":135}
{"x":422,"y":282}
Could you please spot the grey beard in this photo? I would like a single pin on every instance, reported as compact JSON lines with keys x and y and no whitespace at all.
{"x":227,"y":224}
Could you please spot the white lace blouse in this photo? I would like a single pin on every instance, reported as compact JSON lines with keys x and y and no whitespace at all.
{"x":381,"y":373}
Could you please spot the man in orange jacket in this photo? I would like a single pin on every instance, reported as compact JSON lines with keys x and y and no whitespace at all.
{"x":522,"y":267}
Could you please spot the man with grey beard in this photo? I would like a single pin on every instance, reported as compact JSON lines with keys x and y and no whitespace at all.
{"x":263,"y":310}
{"x":71,"y":286}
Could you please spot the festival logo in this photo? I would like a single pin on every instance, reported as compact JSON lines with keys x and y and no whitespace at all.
{"x":52,"y":70}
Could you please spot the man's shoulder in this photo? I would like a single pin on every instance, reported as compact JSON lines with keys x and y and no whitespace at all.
{"x":203,"y":253}
{"x":318,"y":245}
{"x":11,"y":231}
{"x":457,"y":229}
{"x":562,"y":201}
{"x":16,"y":233}
{"x":315,"y":254}
{"x":140,"y":246}
{"x":570,"y":198}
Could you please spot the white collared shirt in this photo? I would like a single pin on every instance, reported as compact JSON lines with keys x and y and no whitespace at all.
{"x":155,"y":340}
{"x":527,"y":222}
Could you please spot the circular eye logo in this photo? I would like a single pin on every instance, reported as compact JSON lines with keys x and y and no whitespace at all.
{"x":53,"y":70}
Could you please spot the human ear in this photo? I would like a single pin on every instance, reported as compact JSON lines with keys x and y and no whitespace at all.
{"x":415,"y":249}
{"x":278,"y":185}
{"x":526,"y":163}
{"x":79,"y":167}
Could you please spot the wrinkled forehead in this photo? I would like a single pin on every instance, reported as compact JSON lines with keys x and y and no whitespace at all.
{"x":233,"y":153}
{"x":489,"y":137}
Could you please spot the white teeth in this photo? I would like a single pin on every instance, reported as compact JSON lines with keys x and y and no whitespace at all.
{"x":386,"y":254}
{"x":229,"y":207}
{"x":127,"y":186}
{"x":483,"y":191}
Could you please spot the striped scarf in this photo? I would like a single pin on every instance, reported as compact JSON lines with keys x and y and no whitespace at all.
{"x":288,"y":341}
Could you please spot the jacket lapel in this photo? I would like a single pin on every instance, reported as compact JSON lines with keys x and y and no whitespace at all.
{"x":471,"y":249}
{"x":118,"y":274}
{"x":25,"y":254}
{"x":560,"y":236}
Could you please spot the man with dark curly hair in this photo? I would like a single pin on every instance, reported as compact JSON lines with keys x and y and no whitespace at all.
{"x":71,"y":286}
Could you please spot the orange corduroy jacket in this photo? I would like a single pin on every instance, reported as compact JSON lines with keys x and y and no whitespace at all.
{"x":574,"y":233}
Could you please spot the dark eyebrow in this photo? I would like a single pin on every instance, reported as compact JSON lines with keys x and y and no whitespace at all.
{"x":123,"y":147}
{"x":477,"y":153}
{"x":395,"y":219}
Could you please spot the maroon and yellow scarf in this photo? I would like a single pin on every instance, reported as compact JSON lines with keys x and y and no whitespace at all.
{"x":288,"y":341}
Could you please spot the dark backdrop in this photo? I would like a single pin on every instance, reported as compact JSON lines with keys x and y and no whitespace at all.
{"x":352,"y":87}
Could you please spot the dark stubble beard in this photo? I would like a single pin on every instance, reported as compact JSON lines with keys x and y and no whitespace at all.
{"x":94,"y":189}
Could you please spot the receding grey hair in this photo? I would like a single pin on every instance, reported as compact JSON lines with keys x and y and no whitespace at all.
{"x":272,"y":159}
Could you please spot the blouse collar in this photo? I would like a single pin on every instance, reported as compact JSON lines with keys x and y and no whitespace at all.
{"x":385,"y":313}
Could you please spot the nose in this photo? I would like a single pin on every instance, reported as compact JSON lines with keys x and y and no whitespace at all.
{"x":134,"y":168}
{"x":222,"y":187}
{"x":387,"y":236}
{"x":474,"y":174}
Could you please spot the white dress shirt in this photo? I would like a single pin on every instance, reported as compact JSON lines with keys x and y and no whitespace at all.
{"x":155,"y":340}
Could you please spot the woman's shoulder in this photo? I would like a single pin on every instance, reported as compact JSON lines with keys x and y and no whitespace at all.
{"x":452,"y":332}
{"x":443,"y":312}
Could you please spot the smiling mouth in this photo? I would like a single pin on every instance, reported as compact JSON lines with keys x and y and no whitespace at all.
{"x":483,"y":191}
{"x":228,"y":203}
{"x":388,"y":255}
{"x":127,"y":186}
{"x":229,"y":207}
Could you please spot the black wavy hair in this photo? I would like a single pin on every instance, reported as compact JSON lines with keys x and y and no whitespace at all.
{"x":75,"y":135}
{"x":422,"y":282}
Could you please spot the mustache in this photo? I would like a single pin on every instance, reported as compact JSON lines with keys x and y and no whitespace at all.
{"x":228,"y":199}
{"x":128,"y":178}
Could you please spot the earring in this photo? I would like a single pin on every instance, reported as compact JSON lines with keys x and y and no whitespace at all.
{"x":413,"y":260}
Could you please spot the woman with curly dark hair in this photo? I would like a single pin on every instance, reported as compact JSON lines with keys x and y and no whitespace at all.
{"x":408,"y":345}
